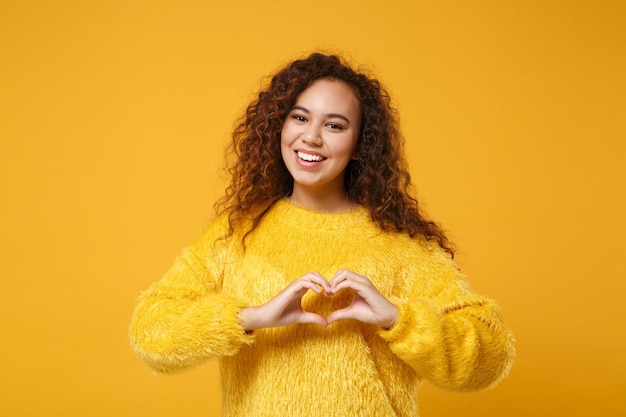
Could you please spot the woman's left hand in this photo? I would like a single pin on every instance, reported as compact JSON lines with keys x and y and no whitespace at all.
{"x":368,"y":304}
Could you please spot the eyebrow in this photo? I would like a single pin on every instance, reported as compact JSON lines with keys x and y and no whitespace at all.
{"x":329,"y":115}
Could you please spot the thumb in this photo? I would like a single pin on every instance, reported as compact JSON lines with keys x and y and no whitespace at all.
{"x":313,"y":318}
{"x":337,"y":315}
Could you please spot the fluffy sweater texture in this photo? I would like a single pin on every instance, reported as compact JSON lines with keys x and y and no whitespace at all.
{"x":444,"y":333}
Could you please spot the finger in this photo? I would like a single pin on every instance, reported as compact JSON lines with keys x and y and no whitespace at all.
{"x":317,"y":278}
{"x":340,"y":276}
{"x":295,"y":291}
{"x":303,"y":286}
{"x":359,"y":284}
{"x":313,"y":318}
{"x":337,"y":315}
{"x":341,"y":286}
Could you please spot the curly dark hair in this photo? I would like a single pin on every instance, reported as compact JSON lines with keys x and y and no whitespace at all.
{"x":379,"y":180}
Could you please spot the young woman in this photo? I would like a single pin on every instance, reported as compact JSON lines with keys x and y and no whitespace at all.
{"x":320,"y":287}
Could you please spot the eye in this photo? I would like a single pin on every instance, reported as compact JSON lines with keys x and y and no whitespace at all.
{"x":334,"y":126}
{"x":298,"y":117}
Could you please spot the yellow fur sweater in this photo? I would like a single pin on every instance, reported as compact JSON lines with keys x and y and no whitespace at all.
{"x":444,"y":333}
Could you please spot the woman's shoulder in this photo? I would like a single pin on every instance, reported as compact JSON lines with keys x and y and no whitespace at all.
{"x":216,"y":230}
{"x":416,"y":250}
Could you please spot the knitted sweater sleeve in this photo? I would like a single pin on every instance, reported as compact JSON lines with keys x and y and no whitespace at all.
{"x":448,"y":335}
{"x":184,"y":319}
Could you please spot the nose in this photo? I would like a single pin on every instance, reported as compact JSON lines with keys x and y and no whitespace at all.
{"x":312,"y":135}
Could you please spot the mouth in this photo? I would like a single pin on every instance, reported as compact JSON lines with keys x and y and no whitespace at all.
{"x":309,"y":157}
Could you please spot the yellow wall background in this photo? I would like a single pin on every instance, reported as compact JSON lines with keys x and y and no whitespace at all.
{"x":114,"y":115}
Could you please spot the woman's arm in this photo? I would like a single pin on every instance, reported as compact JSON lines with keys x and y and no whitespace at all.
{"x":447,"y":334}
{"x":184,"y":319}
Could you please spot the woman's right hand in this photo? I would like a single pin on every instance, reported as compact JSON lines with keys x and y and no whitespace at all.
{"x":286,"y":307}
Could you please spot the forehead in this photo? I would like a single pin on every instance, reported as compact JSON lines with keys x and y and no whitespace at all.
{"x":330,"y":94}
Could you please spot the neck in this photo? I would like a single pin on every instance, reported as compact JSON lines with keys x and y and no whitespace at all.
{"x":322,"y":200}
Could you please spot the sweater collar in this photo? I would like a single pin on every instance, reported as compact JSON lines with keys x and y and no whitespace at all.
{"x":293,"y":215}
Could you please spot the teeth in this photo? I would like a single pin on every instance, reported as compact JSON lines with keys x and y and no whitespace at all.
{"x":309,"y":157}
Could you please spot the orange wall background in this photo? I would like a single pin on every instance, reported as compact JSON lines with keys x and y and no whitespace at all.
{"x":114,"y":115}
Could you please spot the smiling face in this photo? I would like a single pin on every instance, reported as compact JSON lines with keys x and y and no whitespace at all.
{"x":318,"y":139}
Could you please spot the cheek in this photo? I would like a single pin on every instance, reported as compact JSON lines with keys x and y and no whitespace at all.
{"x":284,"y":136}
{"x":284,"y":145}
{"x":348,"y":148}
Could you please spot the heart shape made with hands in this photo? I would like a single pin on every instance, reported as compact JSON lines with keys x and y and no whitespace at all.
{"x":367,"y":305}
